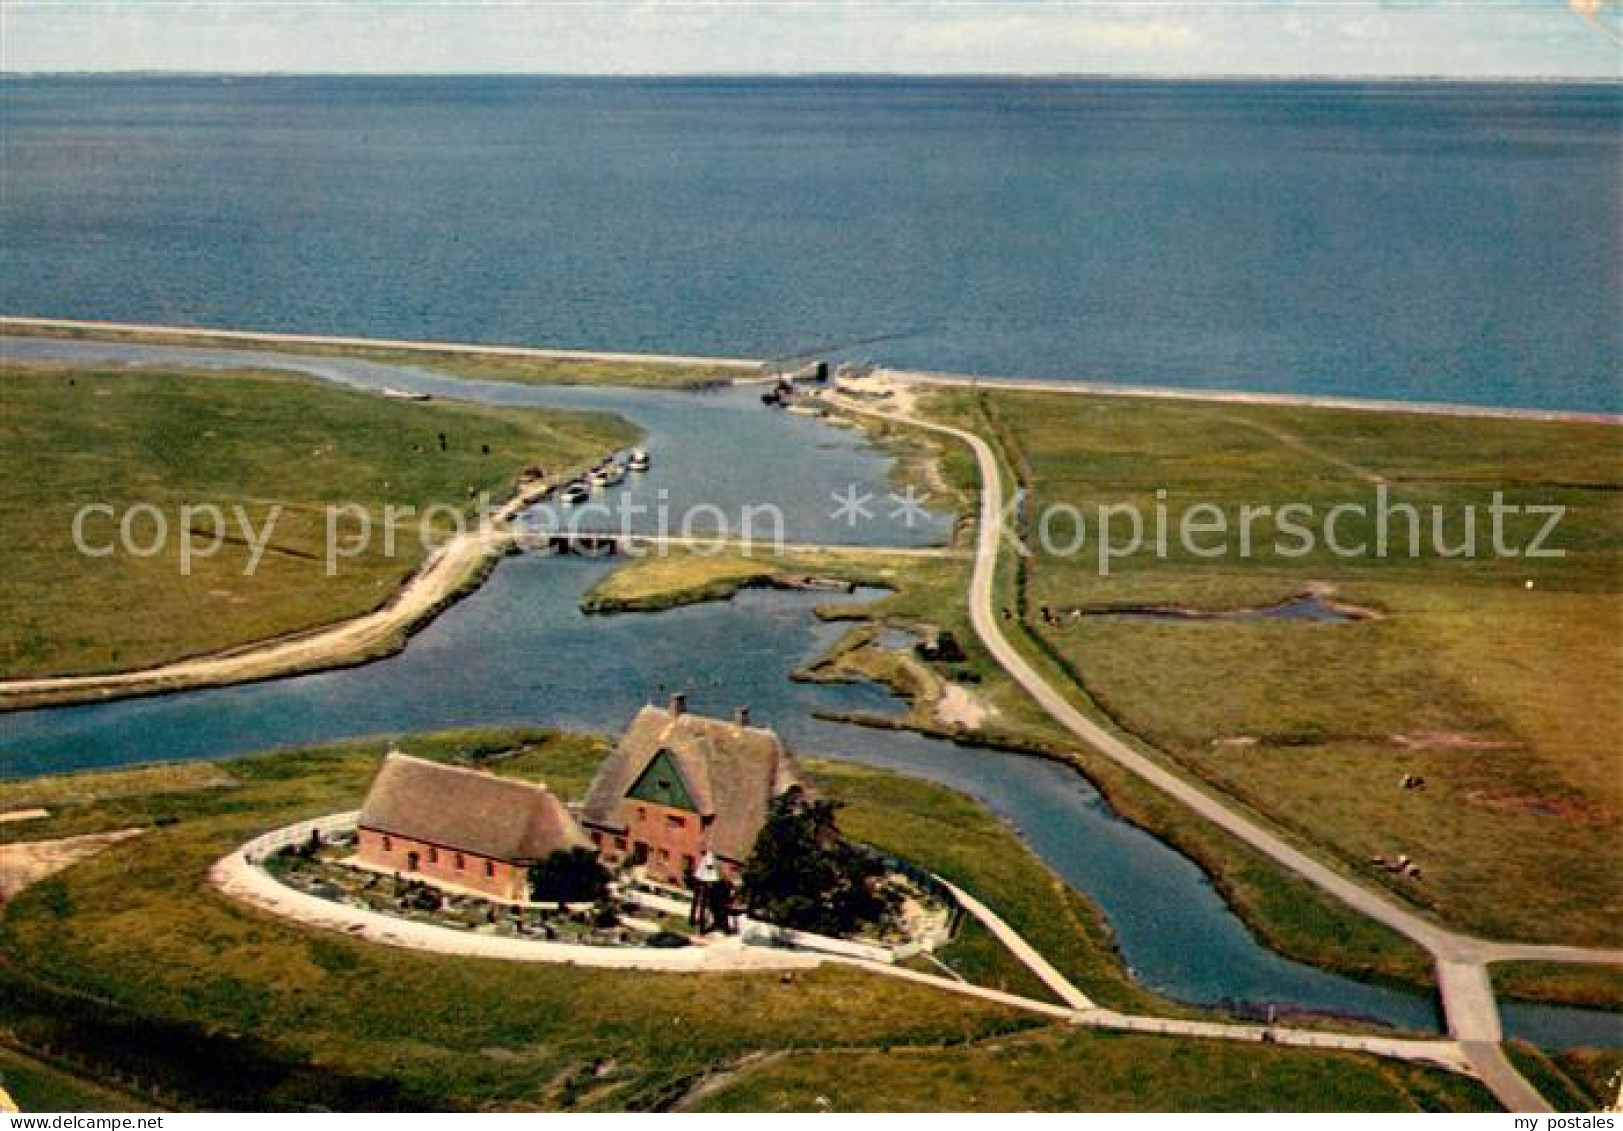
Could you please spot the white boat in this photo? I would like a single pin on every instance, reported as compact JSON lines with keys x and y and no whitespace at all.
{"x":639,"y":460}
{"x":608,"y":475}
{"x":576,"y":492}
{"x":405,"y":394}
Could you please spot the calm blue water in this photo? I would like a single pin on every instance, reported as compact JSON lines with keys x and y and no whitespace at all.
{"x":519,"y":651}
{"x":1457,"y":243}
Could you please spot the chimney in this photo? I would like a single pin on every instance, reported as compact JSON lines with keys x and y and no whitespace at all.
{"x":742,"y":717}
{"x":679,"y":703}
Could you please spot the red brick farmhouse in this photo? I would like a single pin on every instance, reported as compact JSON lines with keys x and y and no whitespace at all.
{"x":680,"y":785}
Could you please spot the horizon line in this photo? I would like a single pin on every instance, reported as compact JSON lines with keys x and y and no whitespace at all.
{"x":1152,"y":76}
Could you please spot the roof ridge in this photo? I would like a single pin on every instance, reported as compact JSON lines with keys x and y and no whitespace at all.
{"x":470,"y":771}
{"x":467,"y":809}
{"x":707,"y":755}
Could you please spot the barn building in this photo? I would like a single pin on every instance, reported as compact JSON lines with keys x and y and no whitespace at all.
{"x":461,"y":827}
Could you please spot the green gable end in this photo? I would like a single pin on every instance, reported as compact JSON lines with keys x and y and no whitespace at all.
{"x":661,"y":784}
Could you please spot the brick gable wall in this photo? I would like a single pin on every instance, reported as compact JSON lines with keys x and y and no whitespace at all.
{"x":672,"y":839}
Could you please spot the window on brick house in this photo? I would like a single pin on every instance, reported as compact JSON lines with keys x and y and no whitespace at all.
{"x":490,"y":869}
{"x":460,"y":862}
{"x":675,"y":822}
{"x":388,"y":845}
{"x":433,"y":856}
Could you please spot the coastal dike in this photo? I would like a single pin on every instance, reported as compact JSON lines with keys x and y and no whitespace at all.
{"x":206,"y":336}
{"x":747,"y":369}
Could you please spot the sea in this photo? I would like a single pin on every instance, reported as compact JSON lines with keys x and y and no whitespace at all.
{"x":1443,"y":243}
{"x":1438,"y":242}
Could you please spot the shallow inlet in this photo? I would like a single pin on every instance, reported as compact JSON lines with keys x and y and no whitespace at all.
{"x":519,"y":652}
{"x":895,"y":639}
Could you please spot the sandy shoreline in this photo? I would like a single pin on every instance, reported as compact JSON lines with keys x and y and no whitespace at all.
{"x":753,"y":368}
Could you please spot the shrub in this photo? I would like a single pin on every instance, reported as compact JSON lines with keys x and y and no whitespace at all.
{"x":569,"y":876}
{"x":804,"y":875}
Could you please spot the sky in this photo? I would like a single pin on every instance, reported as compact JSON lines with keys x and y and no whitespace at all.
{"x":1453,"y":38}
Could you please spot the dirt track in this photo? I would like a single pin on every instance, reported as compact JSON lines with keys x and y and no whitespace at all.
{"x":28,"y":862}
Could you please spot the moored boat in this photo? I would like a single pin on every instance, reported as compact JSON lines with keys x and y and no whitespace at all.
{"x":608,"y":475}
{"x":572,"y":493}
{"x":639,"y":460}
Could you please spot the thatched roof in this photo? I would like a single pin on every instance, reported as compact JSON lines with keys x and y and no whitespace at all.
{"x":731,"y":773}
{"x":468,"y":810}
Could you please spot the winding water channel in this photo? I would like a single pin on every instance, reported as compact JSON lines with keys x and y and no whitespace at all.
{"x":519,"y":651}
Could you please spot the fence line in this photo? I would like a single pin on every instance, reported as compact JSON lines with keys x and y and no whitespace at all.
{"x":257,"y":850}
{"x":751,"y":931}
